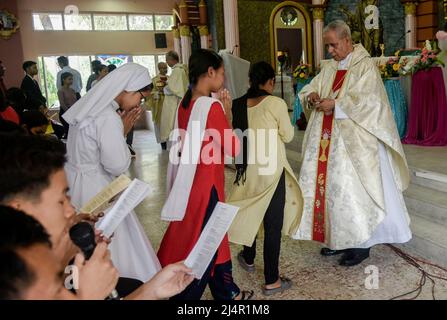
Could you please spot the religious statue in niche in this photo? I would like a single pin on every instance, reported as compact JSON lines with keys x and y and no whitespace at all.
{"x":370,"y":38}
{"x":8,"y":24}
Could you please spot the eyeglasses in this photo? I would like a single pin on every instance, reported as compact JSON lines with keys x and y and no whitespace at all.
{"x":143,"y":98}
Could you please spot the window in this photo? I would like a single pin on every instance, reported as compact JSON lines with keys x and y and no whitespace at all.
{"x":148,"y":62}
{"x":102,"y":22}
{"x":117,"y":60}
{"x":82,"y":64}
{"x":48,"y":69}
{"x":78,"y":22}
{"x":141,"y":22}
{"x":163,"y":22}
{"x":109,"y":22}
{"x":47,"y":21}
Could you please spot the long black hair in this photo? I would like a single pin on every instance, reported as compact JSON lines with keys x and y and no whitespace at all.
{"x":260,"y":73}
{"x":199,"y":63}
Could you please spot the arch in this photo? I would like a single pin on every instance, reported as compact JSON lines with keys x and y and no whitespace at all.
{"x":308,"y":30}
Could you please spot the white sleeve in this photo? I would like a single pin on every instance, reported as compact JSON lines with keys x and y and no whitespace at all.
{"x":339,"y":113}
{"x":114,"y":153}
{"x":167,"y":92}
{"x":59,"y":80}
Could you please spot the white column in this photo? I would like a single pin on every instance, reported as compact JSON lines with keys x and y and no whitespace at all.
{"x":231,"y":26}
{"x":318,"y":25}
{"x":204,"y":37}
{"x":185,"y":42}
{"x":410,"y":24}
{"x":177,"y":46}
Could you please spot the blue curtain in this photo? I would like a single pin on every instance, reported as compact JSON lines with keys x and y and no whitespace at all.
{"x":398,"y":104}
{"x":297,"y":108}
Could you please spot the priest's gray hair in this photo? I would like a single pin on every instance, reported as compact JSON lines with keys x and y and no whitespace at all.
{"x":173,"y":55}
{"x":340,"y":27}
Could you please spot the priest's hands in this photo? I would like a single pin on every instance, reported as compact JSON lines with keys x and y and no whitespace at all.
{"x":129,"y":119}
{"x":325,"y":105}
{"x":313,"y":98}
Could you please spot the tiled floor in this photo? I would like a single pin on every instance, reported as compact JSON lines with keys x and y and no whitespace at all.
{"x":314,"y":276}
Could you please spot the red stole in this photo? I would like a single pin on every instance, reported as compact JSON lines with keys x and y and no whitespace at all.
{"x":319,"y":223}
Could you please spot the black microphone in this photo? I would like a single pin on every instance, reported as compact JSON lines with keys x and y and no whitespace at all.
{"x":83,"y":235}
{"x":408,"y":31}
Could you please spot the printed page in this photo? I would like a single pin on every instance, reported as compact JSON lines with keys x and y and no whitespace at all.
{"x":210,"y":238}
{"x":134,"y":194}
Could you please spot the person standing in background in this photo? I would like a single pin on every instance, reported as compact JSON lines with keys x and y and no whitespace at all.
{"x":156,"y":99}
{"x":174,"y":92}
{"x":95,"y":64}
{"x":67,"y":97}
{"x":2,"y":83}
{"x":35,"y":98}
{"x":101,"y":72}
{"x":77,"y":80}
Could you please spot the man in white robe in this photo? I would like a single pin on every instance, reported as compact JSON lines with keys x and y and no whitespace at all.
{"x":97,"y":152}
{"x":174,"y":91}
{"x":354,"y":169}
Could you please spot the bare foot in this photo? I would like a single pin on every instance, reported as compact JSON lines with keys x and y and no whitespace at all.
{"x":275,"y":285}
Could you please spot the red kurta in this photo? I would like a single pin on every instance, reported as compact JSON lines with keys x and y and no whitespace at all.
{"x":181,"y":236}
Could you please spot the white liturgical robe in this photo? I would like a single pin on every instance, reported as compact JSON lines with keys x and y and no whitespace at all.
{"x":358,"y":215}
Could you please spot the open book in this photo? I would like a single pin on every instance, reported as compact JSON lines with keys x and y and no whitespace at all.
{"x":107,"y":197}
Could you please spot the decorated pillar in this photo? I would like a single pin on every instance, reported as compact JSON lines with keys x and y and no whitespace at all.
{"x":177,"y":46}
{"x":183,"y":8}
{"x":204,"y":37}
{"x":318,"y":25}
{"x":185,"y":43}
{"x":410,"y":24}
{"x":231,"y":26}
{"x":203,"y":27}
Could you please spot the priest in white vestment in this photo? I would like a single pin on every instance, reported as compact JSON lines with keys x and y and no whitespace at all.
{"x":97,"y":153}
{"x":354,"y":169}
{"x":176,"y":87}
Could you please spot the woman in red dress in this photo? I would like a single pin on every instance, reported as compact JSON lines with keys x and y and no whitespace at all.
{"x":206,"y":75}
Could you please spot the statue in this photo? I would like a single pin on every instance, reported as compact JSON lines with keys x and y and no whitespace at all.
{"x":370,"y":38}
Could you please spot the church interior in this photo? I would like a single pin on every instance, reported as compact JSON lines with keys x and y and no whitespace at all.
{"x":407,"y":42}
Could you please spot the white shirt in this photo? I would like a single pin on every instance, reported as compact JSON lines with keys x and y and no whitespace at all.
{"x":77,"y":80}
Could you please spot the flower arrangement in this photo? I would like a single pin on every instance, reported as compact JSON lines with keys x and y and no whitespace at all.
{"x":427,"y":60}
{"x":302,"y":72}
{"x":394,"y":67}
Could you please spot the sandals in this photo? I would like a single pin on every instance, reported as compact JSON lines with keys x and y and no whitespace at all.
{"x":286,"y":283}
{"x":247,"y":294}
{"x":243,"y":263}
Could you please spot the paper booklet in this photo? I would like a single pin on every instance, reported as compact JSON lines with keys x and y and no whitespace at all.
{"x":128,"y":200}
{"x":107,"y":197}
{"x":209,"y":241}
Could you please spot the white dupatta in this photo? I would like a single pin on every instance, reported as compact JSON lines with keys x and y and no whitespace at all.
{"x":182,"y":169}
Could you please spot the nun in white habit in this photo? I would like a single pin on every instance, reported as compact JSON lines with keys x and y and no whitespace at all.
{"x":97,"y":153}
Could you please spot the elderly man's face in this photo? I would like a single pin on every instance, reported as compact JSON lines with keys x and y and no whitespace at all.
{"x":338,"y":48}
{"x":163,"y":68}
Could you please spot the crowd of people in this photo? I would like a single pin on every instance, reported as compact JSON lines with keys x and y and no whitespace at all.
{"x":348,"y":195}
